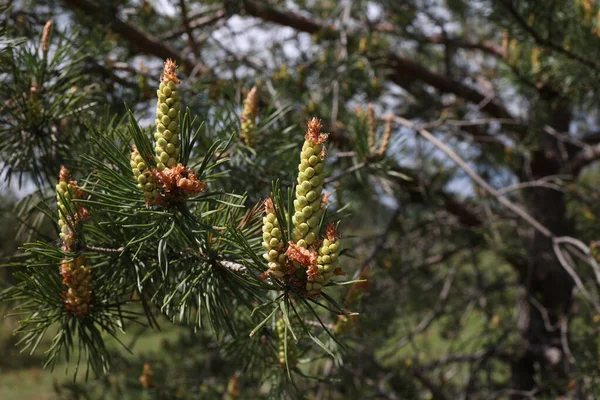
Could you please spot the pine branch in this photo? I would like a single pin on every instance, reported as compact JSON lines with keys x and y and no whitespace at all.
{"x":508,"y":4}
{"x":143,"y":41}
{"x":403,"y":70}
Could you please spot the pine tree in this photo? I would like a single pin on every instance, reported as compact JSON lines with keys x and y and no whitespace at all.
{"x":259,"y":173}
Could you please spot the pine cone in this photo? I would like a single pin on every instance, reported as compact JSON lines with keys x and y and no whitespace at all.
{"x":77,"y":277}
{"x":326,"y":261}
{"x":167,"y":119}
{"x":69,"y":213}
{"x":273,"y":241}
{"x":146,"y":179}
{"x":248,"y":118}
{"x":311,"y":175}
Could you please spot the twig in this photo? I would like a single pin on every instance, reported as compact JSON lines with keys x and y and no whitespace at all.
{"x":378,"y":244}
{"x":533,"y":184}
{"x":567,"y":264}
{"x":349,"y":171}
{"x":200,"y":23}
{"x":188,"y":30}
{"x":105,"y":249}
{"x":476,"y":177}
{"x":587,"y":253}
{"x":233,"y":266}
{"x":426,"y":322}
{"x":473,"y":122}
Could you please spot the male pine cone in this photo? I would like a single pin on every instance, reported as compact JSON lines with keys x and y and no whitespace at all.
{"x":307,"y":204}
{"x":167,"y":118}
{"x":273,"y":241}
{"x":326,"y":261}
{"x":70,"y":214}
{"x":146,"y":180}
{"x":78,"y":278}
{"x":65,"y":193}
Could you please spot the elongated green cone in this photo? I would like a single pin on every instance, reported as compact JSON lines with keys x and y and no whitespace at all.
{"x":146,"y":180}
{"x":167,"y":145}
{"x":327,"y":260}
{"x":273,"y":241}
{"x":307,"y":204}
{"x":283,"y":343}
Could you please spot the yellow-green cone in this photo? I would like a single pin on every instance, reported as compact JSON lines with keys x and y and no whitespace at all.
{"x":146,"y":180}
{"x":307,"y":204}
{"x":167,"y":144}
{"x":283,"y":343}
{"x":273,"y":241}
{"x":248,"y":118}
{"x":326,"y":261}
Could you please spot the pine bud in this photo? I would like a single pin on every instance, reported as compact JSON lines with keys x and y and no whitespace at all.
{"x":146,"y":377}
{"x":273,"y":241}
{"x":167,"y":118}
{"x":327,"y":260}
{"x":371,"y":124}
{"x":77,"y":277}
{"x":387,"y":133}
{"x":283,"y":343}
{"x":514,"y":51}
{"x":248,"y":118}
{"x":505,"y":42}
{"x":535,"y":59}
{"x":343,"y":324}
{"x":309,"y":187}
{"x":145,"y":178}
{"x":46,"y":37}
{"x":69,"y":213}
{"x":362,"y":45}
{"x":233,"y":388}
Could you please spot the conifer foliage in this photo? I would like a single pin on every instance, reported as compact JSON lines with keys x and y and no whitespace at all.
{"x":311,"y":199}
{"x":142,"y":227}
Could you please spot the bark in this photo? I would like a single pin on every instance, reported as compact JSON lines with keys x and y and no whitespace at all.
{"x":543,"y":278}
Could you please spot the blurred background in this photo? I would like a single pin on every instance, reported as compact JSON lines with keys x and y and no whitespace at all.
{"x":464,"y":139}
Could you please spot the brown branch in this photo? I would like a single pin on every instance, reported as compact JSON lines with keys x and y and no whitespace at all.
{"x":188,"y":30}
{"x":197,"y":24}
{"x":477,"y":178}
{"x":436,"y":391}
{"x":403,"y":71}
{"x":580,"y":160}
{"x":143,"y":42}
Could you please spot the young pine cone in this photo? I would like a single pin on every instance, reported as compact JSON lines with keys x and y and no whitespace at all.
{"x":273,"y":241}
{"x":167,"y":119}
{"x":326,"y":261}
{"x":311,"y":175}
{"x":69,"y":213}
{"x":146,"y":180}
{"x":78,"y":278}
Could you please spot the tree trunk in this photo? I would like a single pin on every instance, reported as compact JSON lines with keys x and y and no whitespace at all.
{"x":547,"y":286}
